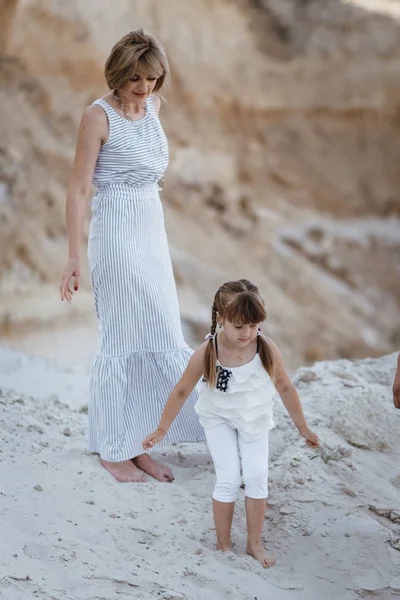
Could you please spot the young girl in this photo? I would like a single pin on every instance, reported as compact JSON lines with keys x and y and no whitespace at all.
{"x":240,"y":368}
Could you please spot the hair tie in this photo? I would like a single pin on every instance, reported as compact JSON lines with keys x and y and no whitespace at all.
{"x":209,"y":336}
{"x":259,"y":332}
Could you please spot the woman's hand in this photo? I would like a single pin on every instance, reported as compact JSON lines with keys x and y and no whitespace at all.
{"x":310,"y":437}
{"x":153,"y":439}
{"x":72,"y":271}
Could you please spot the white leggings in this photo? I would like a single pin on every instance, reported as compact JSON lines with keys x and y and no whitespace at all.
{"x":224,"y":444}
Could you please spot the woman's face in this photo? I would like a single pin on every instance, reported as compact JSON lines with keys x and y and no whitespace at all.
{"x":138,"y":88}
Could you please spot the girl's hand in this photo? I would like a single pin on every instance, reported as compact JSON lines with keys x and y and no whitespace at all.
{"x":72,"y":271}
{"x":396,"y":389}
{"x":153,"y":439}
{"x":310,"y":437}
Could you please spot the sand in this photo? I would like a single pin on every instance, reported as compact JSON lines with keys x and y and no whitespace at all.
{"x":69,"y":531}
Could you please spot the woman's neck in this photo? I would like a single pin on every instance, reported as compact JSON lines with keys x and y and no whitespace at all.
{"x":131,"y":107}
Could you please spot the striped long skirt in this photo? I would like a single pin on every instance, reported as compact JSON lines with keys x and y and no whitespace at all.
{"x":141,"y":352}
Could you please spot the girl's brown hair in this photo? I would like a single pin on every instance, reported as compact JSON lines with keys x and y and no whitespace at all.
{"x":136,"y":52}
{"x":238,"y":302}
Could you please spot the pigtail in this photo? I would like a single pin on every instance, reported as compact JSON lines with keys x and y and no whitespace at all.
{"x":266,"y":356}
{"x":210,"y":356}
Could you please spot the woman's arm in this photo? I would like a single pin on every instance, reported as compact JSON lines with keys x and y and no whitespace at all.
{"x":178,"y":396}
{"x":93,"y":131}
{"x":290,"y":397}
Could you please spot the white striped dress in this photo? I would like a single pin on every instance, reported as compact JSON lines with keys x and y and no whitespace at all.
{"x":141,"y":352}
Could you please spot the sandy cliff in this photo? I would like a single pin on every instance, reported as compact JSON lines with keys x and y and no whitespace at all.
{"x":283,"y":124}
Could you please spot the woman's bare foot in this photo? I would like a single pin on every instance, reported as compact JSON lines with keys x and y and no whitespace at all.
{"x":124,"y":471}
{"x":153,"y":468}
{"x":260,"y":554}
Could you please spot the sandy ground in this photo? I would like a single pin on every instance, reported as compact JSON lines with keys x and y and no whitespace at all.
{"x":69,"y":531}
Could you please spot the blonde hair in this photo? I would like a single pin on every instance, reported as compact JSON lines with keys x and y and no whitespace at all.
{"x":135,"y":52}
{"x":238,"y":302}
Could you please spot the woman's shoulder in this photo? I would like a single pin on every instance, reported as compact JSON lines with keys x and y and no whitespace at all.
{"x":94,"y":122}
{"x":102,"y":104}
{"x":94,"y":113}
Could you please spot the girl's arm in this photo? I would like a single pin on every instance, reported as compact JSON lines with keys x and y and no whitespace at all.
{"x":290,"y":397}
{"x":93,"y":131}
{"x":178,"y":396}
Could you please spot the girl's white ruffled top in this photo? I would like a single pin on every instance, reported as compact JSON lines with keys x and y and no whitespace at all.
{"x":247,"y":404}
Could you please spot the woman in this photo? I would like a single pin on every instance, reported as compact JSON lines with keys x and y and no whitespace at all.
{"x":141,"y":353}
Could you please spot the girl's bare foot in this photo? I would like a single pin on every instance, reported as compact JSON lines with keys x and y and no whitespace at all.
{"x":124,"y":471}
{"x":225,"y":547}
{"x":153,"y":468}
{"x":260,"y":554}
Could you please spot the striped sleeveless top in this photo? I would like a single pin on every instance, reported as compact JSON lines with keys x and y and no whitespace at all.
{"x":136,"y":152}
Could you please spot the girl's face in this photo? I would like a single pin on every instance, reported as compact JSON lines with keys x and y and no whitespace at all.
{"x":138,"y":88}
{"x":239,"y":335}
